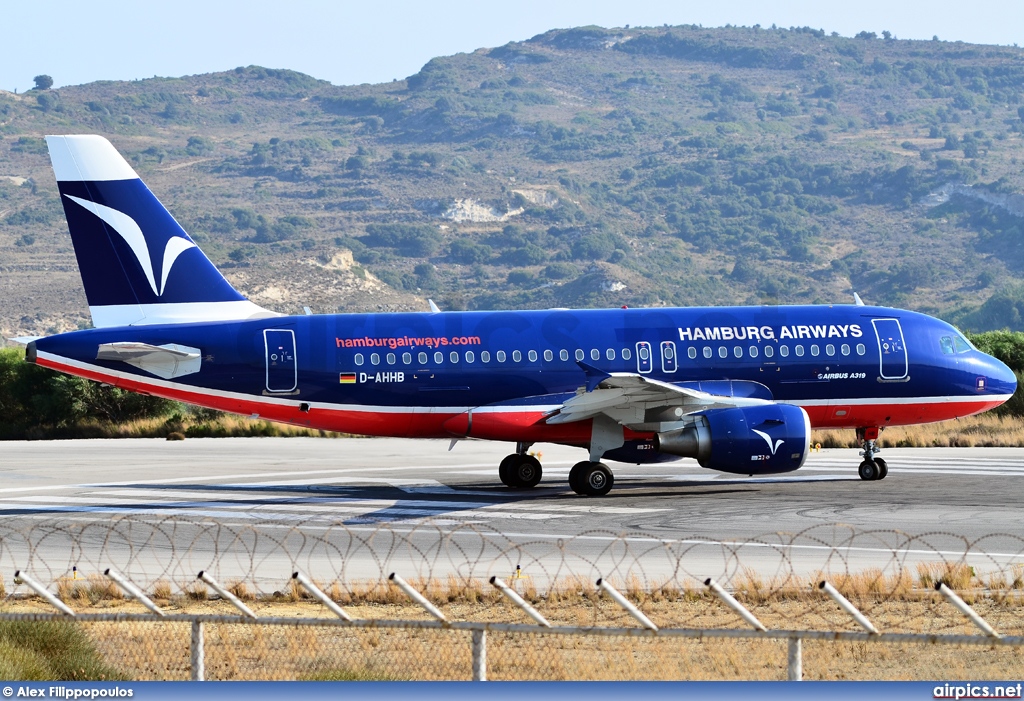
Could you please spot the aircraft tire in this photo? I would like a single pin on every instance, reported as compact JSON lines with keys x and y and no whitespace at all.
{"x":868,"y":471}
{"x":526,"y":471}
{"x":576,"y":476}
{"x":883,"y":468}
{"x":597,"y":480}
{"x":505,"y":470}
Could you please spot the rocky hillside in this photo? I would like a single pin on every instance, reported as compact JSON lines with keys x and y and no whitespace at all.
{"x":584,"y":167}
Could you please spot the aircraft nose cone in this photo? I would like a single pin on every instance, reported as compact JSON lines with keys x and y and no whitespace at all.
{"x":1001,"y":379}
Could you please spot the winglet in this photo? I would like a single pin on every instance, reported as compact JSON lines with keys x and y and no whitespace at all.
{"x":595,"y":376}
{"x":433,"y":307}
{"x":858,"y":300}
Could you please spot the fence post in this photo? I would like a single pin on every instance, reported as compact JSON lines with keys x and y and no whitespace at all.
{"x":796,"y":662}
{"x":198,"y":658}
{"x":479,"y":655}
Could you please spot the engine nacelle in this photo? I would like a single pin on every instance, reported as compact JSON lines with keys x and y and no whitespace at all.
{"x":638,"y":452}
{"x":755,"y":440}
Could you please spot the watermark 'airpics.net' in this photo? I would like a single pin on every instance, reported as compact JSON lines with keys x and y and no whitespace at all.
{"x":977,"y":691}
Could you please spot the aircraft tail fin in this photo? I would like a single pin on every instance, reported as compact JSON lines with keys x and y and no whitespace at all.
{"x":137,"y":264}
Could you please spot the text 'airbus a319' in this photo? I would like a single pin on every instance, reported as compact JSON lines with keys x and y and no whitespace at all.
{"x":737,"y":388}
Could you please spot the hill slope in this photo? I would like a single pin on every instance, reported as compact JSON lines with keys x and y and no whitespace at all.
{"x":584,"y":167}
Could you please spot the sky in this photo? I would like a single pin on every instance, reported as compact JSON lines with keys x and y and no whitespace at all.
{"x":373,"y":41}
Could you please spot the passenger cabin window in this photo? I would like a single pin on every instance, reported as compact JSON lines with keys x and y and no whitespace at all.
{"x":500,"y":355}
{"x":423,"y":358}
{"x":375,"y":358}
{"x":691,"y":352}
{"x":516,"y":356}
{"x":470,"y":356}
{"x":830,"y":349}
{"x":707,"y":351}
{"x":799,"y":350}
{"x":595,"y":354}
{"x":580,"y":355}
{"x":454,"y":356}
{"x":549,"y":356}
{"x":845,"y":349}
{"x":485,"y":357}
{"x":737,"y":351}
{"x":358,"y":359}
{"x":439,"y":357}
{"x":626,"y":354}
{"x":814,"y":350}
{"x":609,"y":354}
{"x":753,"y":351}
{"x":861,"y":349}
{"x":723,"y":352}
{"x":784,"y":351}
{"x":391,"y":358}
{"x":532,"y":355}
{"x":769,"y":351}
{"x":407,"y":358}
{"x":563,"y":354}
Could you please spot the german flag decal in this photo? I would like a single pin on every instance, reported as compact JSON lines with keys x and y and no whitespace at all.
{"x":347,"y":378}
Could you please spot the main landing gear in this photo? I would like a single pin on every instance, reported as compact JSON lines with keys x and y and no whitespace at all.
{"x":592,"y":479}
{"x":519,"y":469}
{"x":872,"y":468}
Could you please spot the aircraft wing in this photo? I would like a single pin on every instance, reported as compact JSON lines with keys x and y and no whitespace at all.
{"x":167,"y":361}
{"x":641,"y":403}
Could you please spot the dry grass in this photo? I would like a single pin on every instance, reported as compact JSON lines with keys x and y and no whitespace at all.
{"x":982,"y":431}
{"x":196,"y":591}
{"x":93,"y":589}
{"x":162,"y":590}
{"x":955,"y":575}
{"x":873,"y":583}
{"x":241,"y":590}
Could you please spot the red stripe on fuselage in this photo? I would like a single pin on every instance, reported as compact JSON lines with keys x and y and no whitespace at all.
{"x":525,"y":425}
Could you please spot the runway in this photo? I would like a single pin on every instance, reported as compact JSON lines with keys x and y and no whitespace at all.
{"x":358,"y":507}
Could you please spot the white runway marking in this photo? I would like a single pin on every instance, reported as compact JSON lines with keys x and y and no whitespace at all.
{"x":336,"y":494}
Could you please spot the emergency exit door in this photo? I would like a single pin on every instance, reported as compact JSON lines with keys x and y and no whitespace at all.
{"x":282,"y":370}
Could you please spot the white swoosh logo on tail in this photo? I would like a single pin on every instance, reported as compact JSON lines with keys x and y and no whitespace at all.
{"x":128,"y":230}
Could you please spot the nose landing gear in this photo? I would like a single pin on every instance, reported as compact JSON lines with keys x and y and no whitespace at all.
{"x":872,"y":468}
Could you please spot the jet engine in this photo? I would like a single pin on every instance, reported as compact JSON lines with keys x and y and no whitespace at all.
{"x":754,"y":440}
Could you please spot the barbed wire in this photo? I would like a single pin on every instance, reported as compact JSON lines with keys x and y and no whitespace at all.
{"x":887,"y":573}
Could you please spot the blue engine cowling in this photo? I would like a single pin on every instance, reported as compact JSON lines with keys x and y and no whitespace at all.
{"x":753,"y":440}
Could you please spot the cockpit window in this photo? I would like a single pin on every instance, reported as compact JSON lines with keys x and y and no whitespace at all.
{"x":947,"y":345}
{"x":961,"y":344}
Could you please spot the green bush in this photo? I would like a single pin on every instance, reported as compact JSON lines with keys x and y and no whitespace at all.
{"x":36,"y":402}
{"x":50,"y":651}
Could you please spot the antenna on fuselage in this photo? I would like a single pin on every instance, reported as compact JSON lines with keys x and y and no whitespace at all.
{"x":857,"y":300}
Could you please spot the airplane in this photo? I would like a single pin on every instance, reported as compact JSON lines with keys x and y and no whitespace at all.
{"x":737,"y":388}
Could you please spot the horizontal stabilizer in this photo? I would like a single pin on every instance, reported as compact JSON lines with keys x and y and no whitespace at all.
{"x":166,"y":361}
{"x":24,"y":340}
